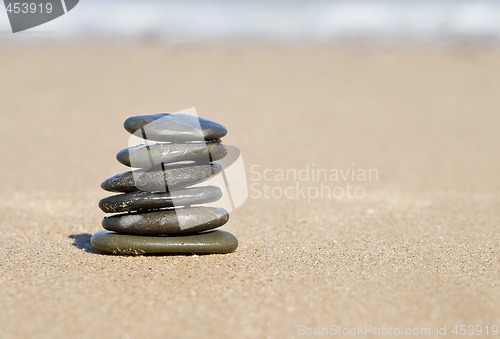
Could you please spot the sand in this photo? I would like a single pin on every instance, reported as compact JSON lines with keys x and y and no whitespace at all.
{"x":418,"y":250}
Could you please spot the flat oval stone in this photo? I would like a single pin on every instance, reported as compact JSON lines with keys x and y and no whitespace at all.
{"x":171,"y":221}
{"x":147,"y":156}
{"x":174,"y":127}
{"x":212,"y":242}
{"x":158,"y":180}
{"x":135,"y":201}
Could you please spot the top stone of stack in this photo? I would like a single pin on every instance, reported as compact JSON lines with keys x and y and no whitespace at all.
{"x":174,"y":128}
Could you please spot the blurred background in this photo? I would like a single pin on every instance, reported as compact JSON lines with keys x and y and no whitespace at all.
{"x":279,"y":20}
{"x":402,"y":68}
{"x":272,"y":21}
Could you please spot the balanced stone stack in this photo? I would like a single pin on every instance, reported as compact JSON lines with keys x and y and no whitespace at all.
{"x":158,"y":212}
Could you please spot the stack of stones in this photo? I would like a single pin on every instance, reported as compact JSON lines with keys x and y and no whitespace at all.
{"x":158,"y":211}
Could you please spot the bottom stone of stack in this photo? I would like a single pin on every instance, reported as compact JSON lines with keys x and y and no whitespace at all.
{"x":211,"y":242}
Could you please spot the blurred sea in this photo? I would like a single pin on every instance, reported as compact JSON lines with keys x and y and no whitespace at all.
{"x":275,"y":20}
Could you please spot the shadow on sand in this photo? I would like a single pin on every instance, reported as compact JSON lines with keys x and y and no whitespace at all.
{"x":82,"y":241}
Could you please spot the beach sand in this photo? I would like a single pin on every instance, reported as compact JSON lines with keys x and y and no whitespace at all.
{"x":419,"y":249}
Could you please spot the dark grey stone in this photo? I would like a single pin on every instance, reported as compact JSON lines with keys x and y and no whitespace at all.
{"x":147,"y":156}
{"x":171,"y":221}
{"x":158,"y":180}
{"x":174,"y":127}
{"x":211,"y":242}
{"x":135,"y":201}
